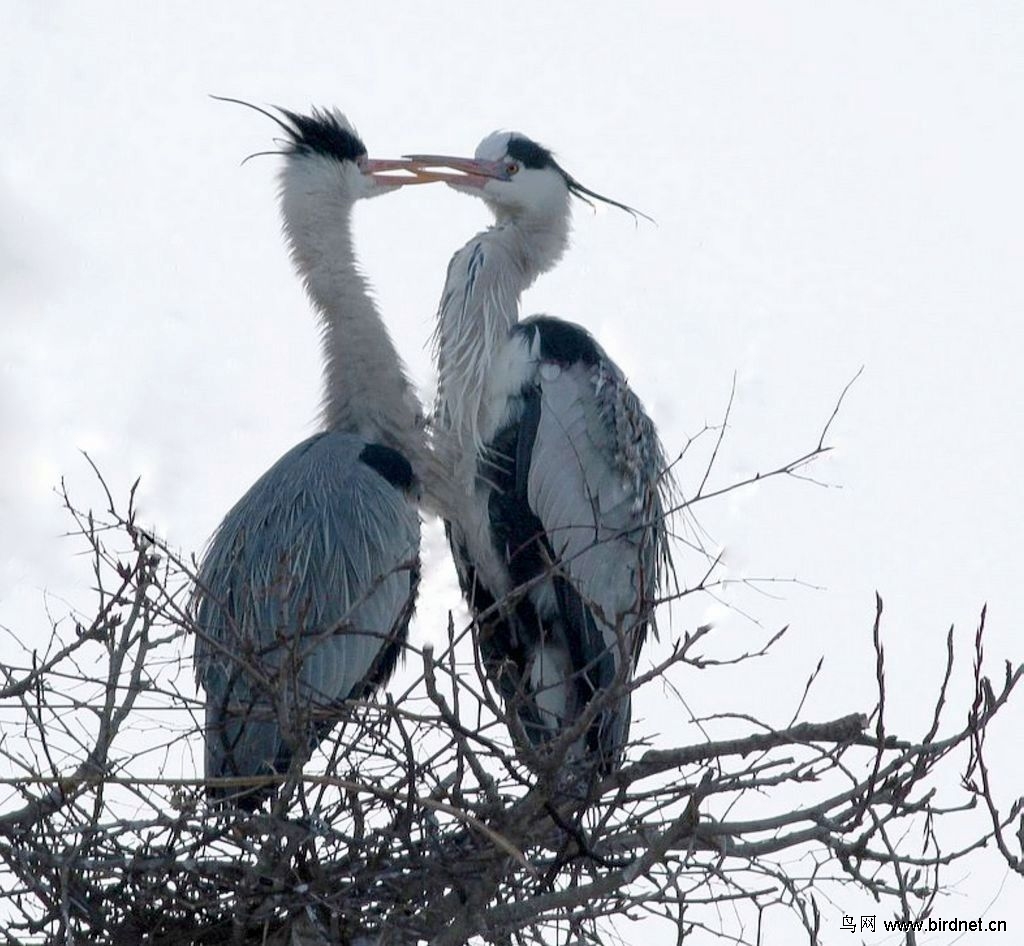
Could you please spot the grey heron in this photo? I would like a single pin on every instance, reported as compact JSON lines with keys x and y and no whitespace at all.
{"x":304,"y":595}
{"x":559,"y":538}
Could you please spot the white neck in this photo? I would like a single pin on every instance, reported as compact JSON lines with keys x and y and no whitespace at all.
{"x":474,"y":325}
{"x":537,"y":240}
{"x":366,"y":391}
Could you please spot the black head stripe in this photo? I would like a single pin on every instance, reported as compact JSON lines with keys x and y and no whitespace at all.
{"x":530,"y":154}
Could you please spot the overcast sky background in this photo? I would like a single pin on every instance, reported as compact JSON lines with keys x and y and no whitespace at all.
{"x":834,"y":186}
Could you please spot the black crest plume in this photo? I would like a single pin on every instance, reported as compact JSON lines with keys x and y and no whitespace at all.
{"x":318,"y":133}
{"x":532,"y":155}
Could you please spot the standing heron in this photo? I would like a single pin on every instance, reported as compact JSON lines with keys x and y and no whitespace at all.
{"x":304,"y":596}
{"x":559,"y":540}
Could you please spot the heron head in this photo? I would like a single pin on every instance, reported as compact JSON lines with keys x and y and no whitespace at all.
{"x":517,"y":177}
{"x":327,"y":137}
{"x":325,"y":145}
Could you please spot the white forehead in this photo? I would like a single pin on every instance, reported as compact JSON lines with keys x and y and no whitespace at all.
{"x":495,"y":146}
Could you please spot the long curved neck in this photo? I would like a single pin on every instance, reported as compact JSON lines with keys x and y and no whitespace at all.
{"x":538,"y":242}
{"x":479,"y":307}
{"x":366,"y":391}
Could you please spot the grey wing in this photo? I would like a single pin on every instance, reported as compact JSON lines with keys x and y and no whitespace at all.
{"x":303,"y":600}
{"x":595,"y":484}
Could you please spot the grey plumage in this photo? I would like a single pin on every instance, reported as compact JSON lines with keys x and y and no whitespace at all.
{"x":304,"y":597}
{"x":596,"y":479}
{"x":560,"y":537}
{"x":575,"y":492}
{"x":303,"y":602}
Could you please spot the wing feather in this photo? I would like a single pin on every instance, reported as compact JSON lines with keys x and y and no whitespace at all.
{"x":594,"y":482}
{"x":597,"y":491}
{"x":303,"y":600}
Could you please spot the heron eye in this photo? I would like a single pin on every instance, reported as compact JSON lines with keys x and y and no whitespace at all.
{"x":512,"y":167}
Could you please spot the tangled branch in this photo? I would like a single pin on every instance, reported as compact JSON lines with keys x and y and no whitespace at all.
{"x":421,"y":823}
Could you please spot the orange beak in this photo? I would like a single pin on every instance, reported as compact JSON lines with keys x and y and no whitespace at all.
{"x":472,"y":171}
{"x":382,"y":171}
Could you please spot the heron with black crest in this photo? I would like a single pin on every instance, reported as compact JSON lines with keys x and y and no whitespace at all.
{"x":559,"y":536}
{"x":304,"y":595}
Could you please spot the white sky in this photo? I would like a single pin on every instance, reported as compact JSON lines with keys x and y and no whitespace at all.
{"x":834,"y":185}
